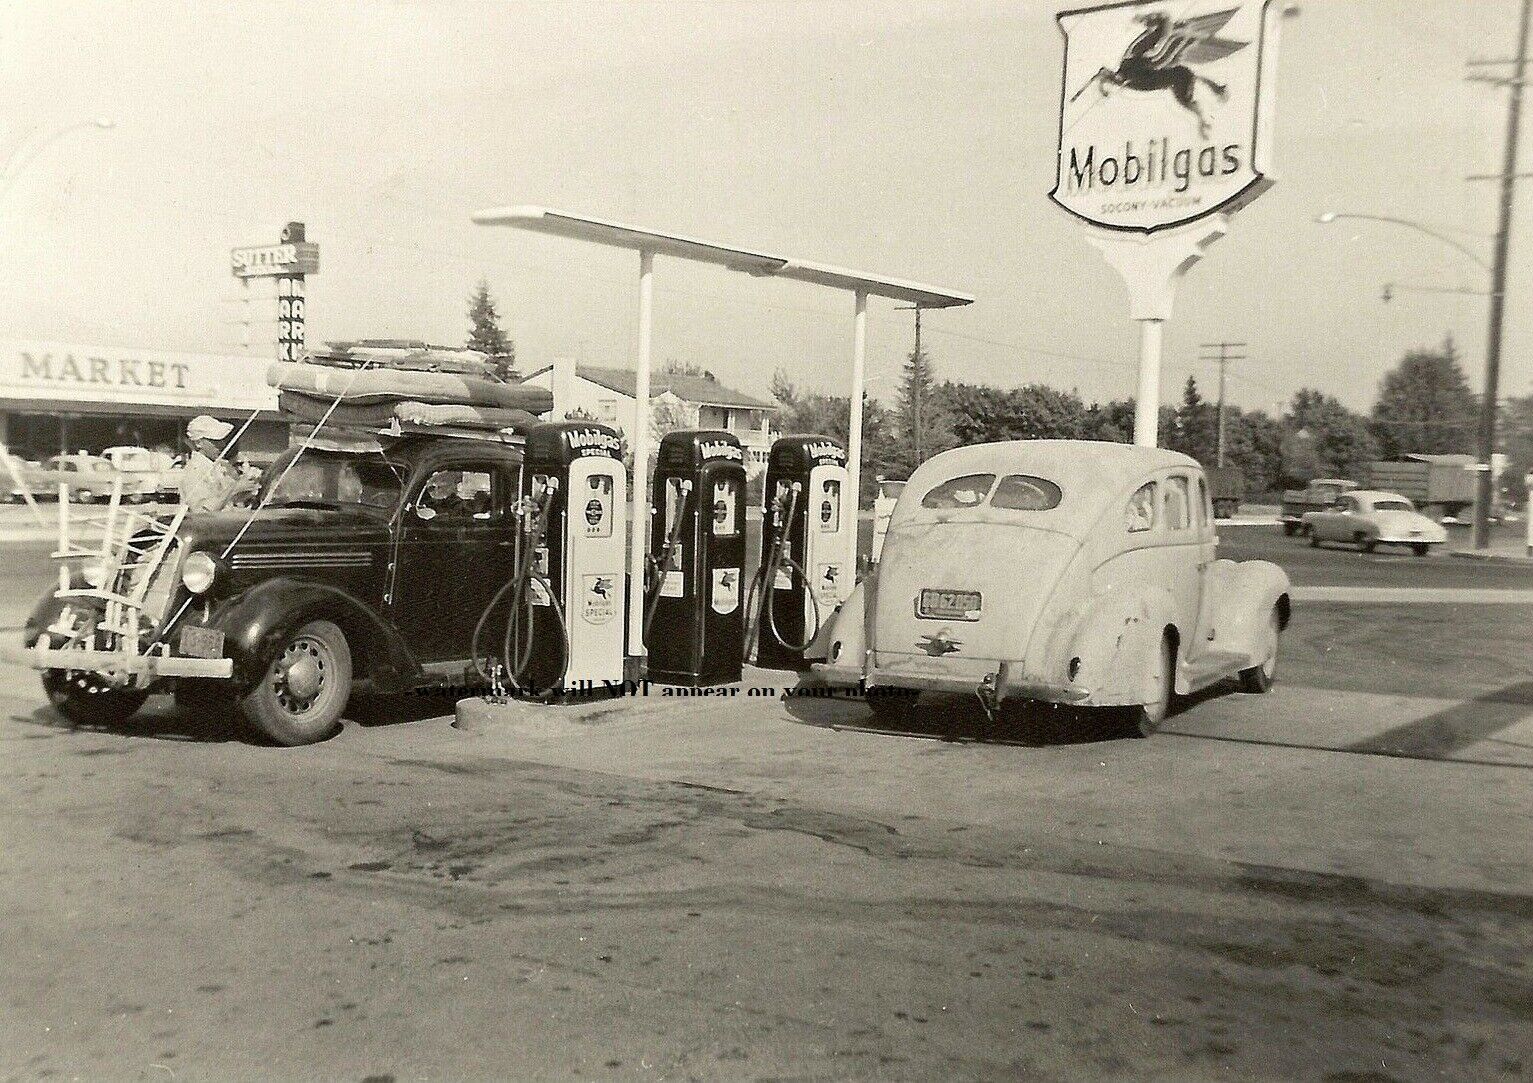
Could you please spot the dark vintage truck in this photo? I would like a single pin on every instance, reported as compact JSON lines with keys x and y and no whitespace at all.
{"x":366,"y":571}
{"x":1320,"y":494}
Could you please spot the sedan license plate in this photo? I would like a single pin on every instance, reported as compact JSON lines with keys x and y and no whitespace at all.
{"x":949,"y":604}
{"x":199,"y":642}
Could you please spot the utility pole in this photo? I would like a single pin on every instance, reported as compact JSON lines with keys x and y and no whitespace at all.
{"x":1508,"y":181}
{"x":1225,"y":355}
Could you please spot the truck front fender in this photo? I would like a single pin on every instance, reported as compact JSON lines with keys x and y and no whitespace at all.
{"x":256,"y":624}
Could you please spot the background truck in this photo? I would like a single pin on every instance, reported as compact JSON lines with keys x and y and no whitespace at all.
{"x":1227,"y":488}
{"x":1321,"y":493}
{"x":1441,"y":486}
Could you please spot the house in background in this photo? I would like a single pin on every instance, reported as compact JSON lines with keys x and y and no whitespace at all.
{"x":677,"y":401}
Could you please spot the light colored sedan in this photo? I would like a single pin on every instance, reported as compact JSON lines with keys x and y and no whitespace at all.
{"x":1061,"y":571}
{"x":1368,"y":518}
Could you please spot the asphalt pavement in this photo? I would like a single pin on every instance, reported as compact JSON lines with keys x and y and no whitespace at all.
{"x":1331,"y":881}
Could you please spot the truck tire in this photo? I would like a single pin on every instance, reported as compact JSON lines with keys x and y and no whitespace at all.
{"x":303,"y":693}
{"x":86,"y":700}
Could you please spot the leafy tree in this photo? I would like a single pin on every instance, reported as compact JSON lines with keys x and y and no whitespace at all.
{"x":1339,"y":442}
{"x":1253,"y":442}
{"x":1425,"y":405}
{"x":1112,"y":421}
{"x":485,"y":333}
{"x":1517,"y":440}
{"x":674,"y":367}
{"x":980,"y":414}
{"x":883,"y":452}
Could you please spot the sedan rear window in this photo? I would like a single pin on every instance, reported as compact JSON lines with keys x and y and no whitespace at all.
{"x":1393,"y":505}
{"x":968,"y":491}
{"x":1023,"y":492}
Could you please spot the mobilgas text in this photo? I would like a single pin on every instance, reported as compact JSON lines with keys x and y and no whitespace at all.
{"x":1151,"y":165}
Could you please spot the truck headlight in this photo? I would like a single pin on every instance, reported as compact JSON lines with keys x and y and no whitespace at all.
{"x":198,"y":573}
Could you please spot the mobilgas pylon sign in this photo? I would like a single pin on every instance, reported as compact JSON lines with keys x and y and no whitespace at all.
{"x":1165,"y":111}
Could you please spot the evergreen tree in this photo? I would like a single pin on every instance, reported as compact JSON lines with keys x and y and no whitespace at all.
{"x":485,"y":333}
{"x":923,"y":423}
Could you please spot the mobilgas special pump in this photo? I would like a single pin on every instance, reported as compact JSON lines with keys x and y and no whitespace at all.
{"x":694,"y":618}
{"x":804,"y":541}
{"x":564,"y":624}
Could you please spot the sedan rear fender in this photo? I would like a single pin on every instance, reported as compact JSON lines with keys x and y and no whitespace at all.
{"x":1116,"y":637}
{"x":258,"y":622}
{"x":842,"y":639}
{"x":1242,"y":596}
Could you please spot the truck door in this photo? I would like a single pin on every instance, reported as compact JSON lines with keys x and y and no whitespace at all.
{"x":456,"y":549}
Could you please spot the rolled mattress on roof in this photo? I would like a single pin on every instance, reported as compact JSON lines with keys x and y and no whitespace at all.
{"x":360,"y":386}
{"x":375,"y":415}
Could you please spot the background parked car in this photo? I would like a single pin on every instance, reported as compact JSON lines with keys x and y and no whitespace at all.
{"x":86,"y":478}
{"x":1368,"y":518}
{"x":148,"y":475}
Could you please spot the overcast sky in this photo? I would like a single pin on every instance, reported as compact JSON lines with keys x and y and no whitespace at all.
{"x":911,"y":139}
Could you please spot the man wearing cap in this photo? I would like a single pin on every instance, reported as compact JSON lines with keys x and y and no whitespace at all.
{"x":210,"y":482}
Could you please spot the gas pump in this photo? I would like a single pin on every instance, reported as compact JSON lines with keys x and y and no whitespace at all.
{"x":694,"y":618}
{"x":564,"y":629}
{"x":803,"y":548}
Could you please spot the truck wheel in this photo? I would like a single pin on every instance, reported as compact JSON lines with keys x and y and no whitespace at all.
{"x":300,"y":698}
{"x":86,"y":700}
{"x":1258,"y":679}
{"x":1148,"y":717}
{"x":1366,"y":544}
{"x":892,"y":707}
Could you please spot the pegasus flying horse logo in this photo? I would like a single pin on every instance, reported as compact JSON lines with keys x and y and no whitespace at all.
{"x":1164,"y":56}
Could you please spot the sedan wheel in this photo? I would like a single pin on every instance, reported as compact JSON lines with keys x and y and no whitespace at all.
{"x":1147,"y":717}
{"x":1421,"y":549}
{"x":1258,"y":679}
{"x":300,"y":698}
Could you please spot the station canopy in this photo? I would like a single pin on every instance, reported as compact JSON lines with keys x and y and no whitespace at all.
{"x":758,"y":264}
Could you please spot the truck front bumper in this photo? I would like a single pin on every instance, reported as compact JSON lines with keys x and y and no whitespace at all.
{"x":150,"y":665}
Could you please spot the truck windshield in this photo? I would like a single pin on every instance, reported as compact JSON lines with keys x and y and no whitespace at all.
{"x":332,"y":480}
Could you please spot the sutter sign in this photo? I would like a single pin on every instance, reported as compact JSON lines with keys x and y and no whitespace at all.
{"x":1165,"y":111}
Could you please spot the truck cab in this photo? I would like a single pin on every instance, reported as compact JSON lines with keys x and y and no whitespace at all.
{"x":357,"y":568}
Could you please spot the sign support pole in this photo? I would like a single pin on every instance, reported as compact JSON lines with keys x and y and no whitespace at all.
{"x":639,"y":508}
{"x":1151,"y":268}
{"x":854,"y":440}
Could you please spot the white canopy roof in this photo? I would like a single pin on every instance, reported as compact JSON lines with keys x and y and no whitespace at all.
{"x":760,"y":264}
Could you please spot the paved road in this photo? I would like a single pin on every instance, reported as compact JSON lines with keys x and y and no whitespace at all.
{"x":1331,"y":881}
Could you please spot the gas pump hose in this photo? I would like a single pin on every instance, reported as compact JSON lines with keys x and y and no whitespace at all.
{"x":760,"y":597}
{"x":657,"y":569}
{"x":516,"y":661}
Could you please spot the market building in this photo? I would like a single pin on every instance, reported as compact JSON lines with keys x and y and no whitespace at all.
{"x":61,"y":397}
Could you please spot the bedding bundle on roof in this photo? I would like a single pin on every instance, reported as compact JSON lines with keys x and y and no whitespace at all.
{"x":382,"y":385}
